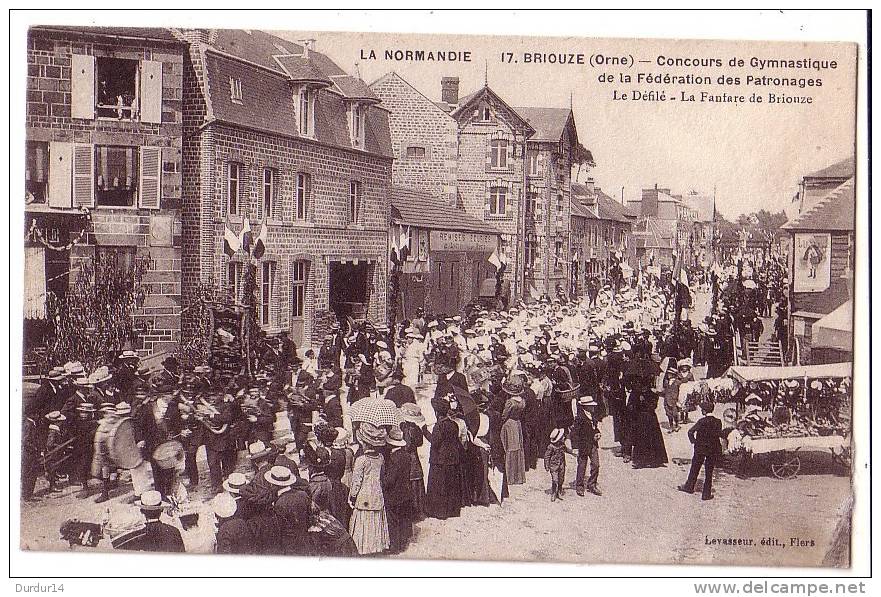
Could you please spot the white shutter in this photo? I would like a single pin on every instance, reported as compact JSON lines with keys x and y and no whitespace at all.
{"x":60,"y":173}
{"x":82,"y":86}
{"x":151,"y":91}
{"x":83,"y":172}
{"x":151,"y":174}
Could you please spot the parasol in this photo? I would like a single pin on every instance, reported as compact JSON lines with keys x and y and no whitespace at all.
{"x":376,"y":411}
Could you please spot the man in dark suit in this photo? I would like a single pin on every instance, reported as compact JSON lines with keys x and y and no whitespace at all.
{"x":585,"y":438}
{"x":234,"y":534}
{"x":158,"y":536}
{"x":220,"y":439}
{"x":705,"y":435}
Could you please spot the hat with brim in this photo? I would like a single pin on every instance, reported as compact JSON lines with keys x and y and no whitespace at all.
{"x":258,"y":450}
{"x":84,"y":382}
{"x":395,"y":437}
{"x":224,"y":505}
{"x":412,"y":413}
{"x":151,"y":501}
{"x":557,"y":435}
{"x":280,"y":476}
{"x":587,"y":401}
{"x":235,"y":482}
{"x":74,"y":368}
{"x":55,"y":416}
{"x":128,"y":355}
{"x":201,"y":369}
{"x":123,"y":408}
{"x":86,"y":407}
{"x":107,"y":407}
{"x":57,"y":374}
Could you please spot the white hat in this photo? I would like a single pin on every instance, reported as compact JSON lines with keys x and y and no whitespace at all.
{"x":586,"y":401}
{"x":235,"y":482}
{"x":150,"y":500}
{"x":280,"y":476}
{"x":123,"y":408}
{"x":557,"y":435}
{"x":258,"y":449}
{"x":224,"y":505}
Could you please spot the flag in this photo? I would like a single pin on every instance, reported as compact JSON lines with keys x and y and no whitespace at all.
{"x":260,"y":243}
{"x":245,"y":236}
{"x":683,"y":277}
{"x":495,"y":260}
{"x":231,"y":242}
{"x":404,"y":243}
{"x":534,"y":293}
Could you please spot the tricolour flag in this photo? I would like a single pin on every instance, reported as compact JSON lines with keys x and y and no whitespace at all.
{"x":404,"y":243}
{"x":246,"y":236}
{"x":495,"y":260}
{"x":231,"y":242}
{"x":260,"y":243}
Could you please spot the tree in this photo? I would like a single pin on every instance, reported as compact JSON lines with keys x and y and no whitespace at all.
{"x":95,"y":319}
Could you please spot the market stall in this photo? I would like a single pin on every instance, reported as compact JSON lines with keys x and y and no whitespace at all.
{"x":782,"y":411}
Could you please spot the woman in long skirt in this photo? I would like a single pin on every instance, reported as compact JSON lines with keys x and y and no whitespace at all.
{"x":369,"y":525}
{"x":512,"y":434}
{"x":443,"y":497}
{"x":411,"y":428}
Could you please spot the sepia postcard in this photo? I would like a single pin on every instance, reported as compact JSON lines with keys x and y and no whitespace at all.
{"x":438,"y":297}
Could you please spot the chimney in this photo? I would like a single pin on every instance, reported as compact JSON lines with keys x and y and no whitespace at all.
{"x":308,"y":46}
{"x":450,"y":90}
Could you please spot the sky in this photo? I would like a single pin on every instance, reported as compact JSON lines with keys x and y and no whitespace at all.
{"x":752,"y":155}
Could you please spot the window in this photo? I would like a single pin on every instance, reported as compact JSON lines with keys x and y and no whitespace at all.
{"x":36,"y":171}
{"x":117,"y":88}
{"x":560,"y":204}
{"x":529,"y":255}
{"x":498,"y":201}
{"x":354,"y":200}
{"x":233,"y":186}
{"x":116,"y":175}
{"x":307,"y":111}
{"x":558,"y":254}
{"x":267,"y":284}
{"x":301,"y":200}
{"x":234,"y":279}
{"x":122,"y":257}
{"x":358,"y":125}
{"x":269,"y":186}
{"x":298,"y":292}
{"x":485,"y":113}
{"x":499,"y":153}
{"x":415,"y":152}
{"x":532,"y":163}
{"x":235,"y":90}
{"x":531,"y":199}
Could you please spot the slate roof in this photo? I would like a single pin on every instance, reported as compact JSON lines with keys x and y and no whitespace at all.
{"x":268,"y":92}
{"x":609,"y":209}
{"x":647,"y":235}
{"x":549,"y":123}
{"x":471,"y":97}
{"x":842,"y":169}
{"x":835,"y":211}
{"x":153,"y":33}
{"x":581,"y":210}
{"x":418,"y":208}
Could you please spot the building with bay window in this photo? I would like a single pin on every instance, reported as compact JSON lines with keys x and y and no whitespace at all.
{"x":103,"y":168}
{"x":275,"y":133}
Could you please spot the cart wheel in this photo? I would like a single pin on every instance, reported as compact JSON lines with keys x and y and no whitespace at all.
{"x":786,"y":466}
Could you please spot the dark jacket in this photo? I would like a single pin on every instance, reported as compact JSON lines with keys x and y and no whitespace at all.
{"x":229,"y":413}
{"x":396,"y":488}
{"x":400,"y":394}
{"x":445,"y":446}
{"x":583,"y":432}
{"x":151,"y":432}
{"x":235,"y":535}
{"x":292,"y":509}
{"x":705,"y":435}
{"x":162,"y":537}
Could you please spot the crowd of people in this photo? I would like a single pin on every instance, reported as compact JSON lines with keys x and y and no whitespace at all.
{"x":333,"y":438}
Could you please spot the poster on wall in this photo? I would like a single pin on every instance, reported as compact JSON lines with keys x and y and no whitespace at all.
{"x":813,"y":258}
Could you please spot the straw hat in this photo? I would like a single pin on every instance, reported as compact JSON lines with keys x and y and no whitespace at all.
{"x":557,"y":435}
{"x":587,"y":401}
{"x":55,"y":416}
{"x":57,"y":374}
{"x":224,"y":505}
{"x":100,"y":375}
{"x":128,"y":355}
{"x":235,"y":482}
{"x":257,"y":450}
{"x":371,"y":435}
{"x":395,"y":437}
{"x":280,"y":476}
{"x":123,"y":408}
{"x":151,"y":500}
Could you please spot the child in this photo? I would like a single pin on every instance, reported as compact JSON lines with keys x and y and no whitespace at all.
{"x":555,"y":462}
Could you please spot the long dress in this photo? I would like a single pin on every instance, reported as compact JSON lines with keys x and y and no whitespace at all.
{"x":369,"y":525}
{"x":648,"y":441}
{"x":512,"y":442}
{"x":443,"y":497}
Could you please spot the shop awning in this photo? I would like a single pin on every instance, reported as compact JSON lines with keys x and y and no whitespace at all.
{"x":35,"y":283}
{"x":835,"y":330}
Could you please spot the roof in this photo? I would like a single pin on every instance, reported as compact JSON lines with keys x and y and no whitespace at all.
{"x":549,"y":123}
{"x":581,"y":210}
{"x":609,"y":209}
{"x":842,"y":169}
{"x":650,"y":236}
{"x":153,"y":33}
{"x":268,"y":92}
{"x":418,"y":208}
{"x":486,"y":90}
{"x":835,"y":211}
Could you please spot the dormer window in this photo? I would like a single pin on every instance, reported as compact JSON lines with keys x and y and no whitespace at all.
{"x":358,"y":112}
{"x":235,"y":90}
{"x":307,"y":112}
{"x":485,"y":113}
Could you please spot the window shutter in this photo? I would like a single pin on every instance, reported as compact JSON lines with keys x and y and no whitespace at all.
{"x":489,"y":151}
{"x":310,"y":217}
{"x":509,"y":200}
{"x":486,"y":197}
{"x":60,"y":173}
{"x":151,"y":91}
{"x":151,"y":174}
{"x":82,"y":86}
{"x":83,"y":172}
{"x":260,"y":186}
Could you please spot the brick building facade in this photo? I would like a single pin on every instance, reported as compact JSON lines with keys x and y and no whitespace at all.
{"x":103,"y":130}
{"x":277,"y":134}
{"x":424,"y":137}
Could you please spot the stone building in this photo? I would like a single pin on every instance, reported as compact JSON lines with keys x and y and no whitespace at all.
{"x":276,"y":133}
{"x":821,"y":270}
{"x":103,"y":167}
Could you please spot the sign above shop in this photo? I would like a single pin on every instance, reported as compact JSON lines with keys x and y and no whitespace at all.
{"x":442,"y":240}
